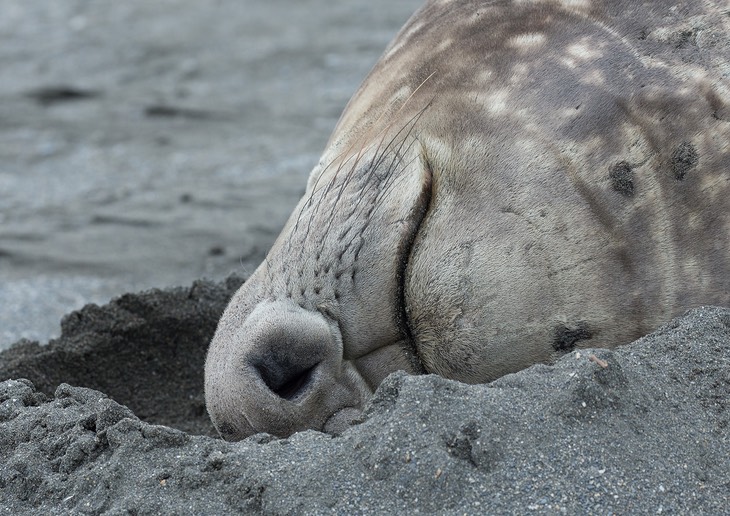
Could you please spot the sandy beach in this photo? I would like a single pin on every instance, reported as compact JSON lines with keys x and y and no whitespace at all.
{"x":146,"y":146}
{"x":110,"y":419}
{"x":150,"y":144}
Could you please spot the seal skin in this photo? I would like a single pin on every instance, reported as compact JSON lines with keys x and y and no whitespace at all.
{"x":513,"y":180}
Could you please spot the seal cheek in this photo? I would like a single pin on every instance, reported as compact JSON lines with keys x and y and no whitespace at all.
{"x":376,"y":365}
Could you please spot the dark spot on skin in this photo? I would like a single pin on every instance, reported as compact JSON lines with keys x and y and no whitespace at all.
{"x":622,"y":178}
{"x":217,"y":250}
{"x":566,"y":337}
{"x":684,"y":159}
{"x":317,"y":290}
{"x":685,"y":38}
{"x":337,"y":295}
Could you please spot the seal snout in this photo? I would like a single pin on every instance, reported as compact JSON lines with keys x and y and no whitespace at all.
{"x":279,"y":371}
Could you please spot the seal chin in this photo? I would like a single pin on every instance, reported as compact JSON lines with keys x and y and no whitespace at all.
{"x":342,"y":420}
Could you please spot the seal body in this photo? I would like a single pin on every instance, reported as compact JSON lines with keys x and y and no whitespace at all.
{"x":513,"y":180}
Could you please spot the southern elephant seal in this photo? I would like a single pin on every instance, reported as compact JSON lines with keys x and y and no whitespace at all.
{"x":514,"y":179}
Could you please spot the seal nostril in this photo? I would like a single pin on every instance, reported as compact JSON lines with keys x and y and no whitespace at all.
{"x":287,"y":386}
{"x":295,"y":385}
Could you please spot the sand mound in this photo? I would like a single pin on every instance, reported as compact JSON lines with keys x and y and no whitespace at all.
{"x":643,"y":428}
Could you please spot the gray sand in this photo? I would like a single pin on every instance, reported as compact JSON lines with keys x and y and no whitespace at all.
{"x":647,"y":433}
{"x":151,"y":143}
{"x":146,"y":144}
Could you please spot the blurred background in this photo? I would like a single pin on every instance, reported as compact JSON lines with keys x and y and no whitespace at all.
{"x":148,"y":144}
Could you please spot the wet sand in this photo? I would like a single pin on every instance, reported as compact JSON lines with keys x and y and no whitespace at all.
{"x":148,"y":144}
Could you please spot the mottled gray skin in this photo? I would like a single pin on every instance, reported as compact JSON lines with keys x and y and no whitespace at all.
{"x":513,"y":180}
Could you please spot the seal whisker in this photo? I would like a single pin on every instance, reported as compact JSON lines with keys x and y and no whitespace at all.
{"x":372,"y":167}
{"x":314,"y":190}
{"x":383,"y":131}
{"x":562,"y":184}
{"x":391,"y":177}
{"x":352,"y":167}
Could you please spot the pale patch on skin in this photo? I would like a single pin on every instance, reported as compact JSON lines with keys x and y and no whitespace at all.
{"x":568,"y":62}
{"x":568,"y":113}
{"x":527,"y":42}
{"x":401,"y":95}
{"x":595,"y":77}
{"x":485,"y":75}
{"x":570,"y":5}
{"x":583,"y":50}
{"x":402,"y":41}
{"x":520,"y":73}
{"x":445,"y":45}
{"x":578,"y":5}
{"x":497,"y":102}
{"x":513,"y":180}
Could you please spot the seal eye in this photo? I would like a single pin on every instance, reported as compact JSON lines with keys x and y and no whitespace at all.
{"x":286,"y":382}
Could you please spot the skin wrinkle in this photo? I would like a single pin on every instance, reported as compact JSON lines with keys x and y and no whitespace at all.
{"x":463,"y":218}
{"x":379,"y":191}
{"x":371,"y":166}
{"x":383,"y":186}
